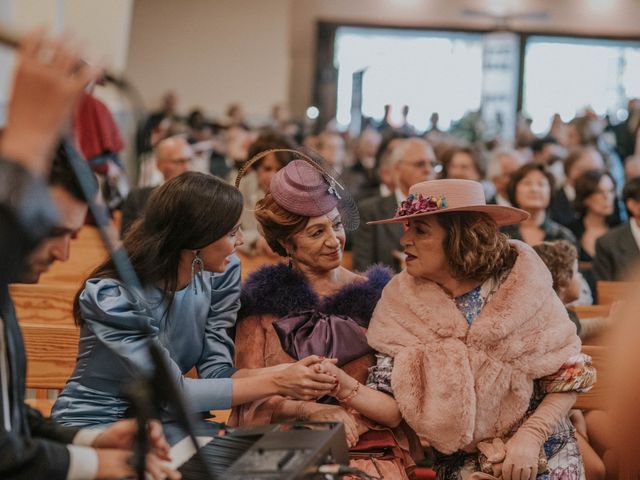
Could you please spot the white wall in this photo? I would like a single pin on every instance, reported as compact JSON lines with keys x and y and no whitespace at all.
{"x":101,"y":26}
{"x":259,"y":52}
{"x":212,"y":52}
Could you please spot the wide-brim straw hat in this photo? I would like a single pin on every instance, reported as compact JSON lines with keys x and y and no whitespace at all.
{"x":442,"y":196}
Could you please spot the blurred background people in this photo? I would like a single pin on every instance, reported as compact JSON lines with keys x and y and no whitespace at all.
{"x":332,"y":149}
{"x":595,"y":206}
{"x":407,"y":161}
{"x":361,"y":178}
{"x":580,"y":160}
{"x":530,"y":189}
{"x":618,"y":251}
{"x":173,"y":157}
{"x":255,"y":185}
{"x":502,"y":164}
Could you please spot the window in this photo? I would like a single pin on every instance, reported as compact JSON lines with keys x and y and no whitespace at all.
{"x":428,"y":71}
{"x":567,"y":75}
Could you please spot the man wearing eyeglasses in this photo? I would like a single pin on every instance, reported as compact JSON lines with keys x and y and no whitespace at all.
{"x":173,"y":157}
{"x":406,"y":162}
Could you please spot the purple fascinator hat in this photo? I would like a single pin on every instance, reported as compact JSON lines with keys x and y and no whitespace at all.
{"x":307,"y":186}
{"x":302,"y":189}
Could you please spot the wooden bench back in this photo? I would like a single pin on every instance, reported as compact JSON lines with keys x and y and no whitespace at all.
{"x":591,"y":311}
{"x":51,"y":355}
{"x":596,"y":398}
{"x":609,"y":292}
{"x":50,"y":337}
{"x":42,"y":304}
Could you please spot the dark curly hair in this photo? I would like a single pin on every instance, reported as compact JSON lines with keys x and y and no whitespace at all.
{"x":559,"y":257}
{"x":474,"y":246}
{"x":586,"y":185}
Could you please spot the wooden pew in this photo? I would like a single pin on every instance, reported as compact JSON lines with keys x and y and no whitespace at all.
{"x":590,"y":312}
{"x":45,"y":305}
{"x":609,"y":292}
{"x":596,"y":398}
{"x":50,"y":337}
{"x":51,"y":355}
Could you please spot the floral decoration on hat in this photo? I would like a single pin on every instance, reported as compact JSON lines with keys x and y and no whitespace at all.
{"x":421,"y":204}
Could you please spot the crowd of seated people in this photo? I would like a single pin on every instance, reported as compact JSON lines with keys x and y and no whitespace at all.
{"x":567,"y":157}
{"x":432,"y":340}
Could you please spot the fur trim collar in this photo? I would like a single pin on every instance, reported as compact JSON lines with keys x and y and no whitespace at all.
{"x":276,"y":290}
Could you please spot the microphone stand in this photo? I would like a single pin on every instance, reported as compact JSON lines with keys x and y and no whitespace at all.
{"x":146,"y":394}
{"x":139,"y":394}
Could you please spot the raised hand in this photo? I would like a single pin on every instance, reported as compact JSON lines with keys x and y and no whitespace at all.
{"x":48,"y":81}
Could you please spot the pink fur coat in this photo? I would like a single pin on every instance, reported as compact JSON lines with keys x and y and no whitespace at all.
{"x":457,"y":384}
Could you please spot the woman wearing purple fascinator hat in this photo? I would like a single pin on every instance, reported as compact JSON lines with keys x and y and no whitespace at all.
{"x":312,"y":305}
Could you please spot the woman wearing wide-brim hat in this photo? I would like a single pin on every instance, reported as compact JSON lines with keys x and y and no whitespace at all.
{"x":478,"y":350}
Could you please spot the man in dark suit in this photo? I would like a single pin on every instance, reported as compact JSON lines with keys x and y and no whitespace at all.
{"x":579,"y":161}
{"x":173,"y":157}
{"x":619,"y":249}
{"x":626,"y":131}
{"x":406,"y":162}
{"x":32,"y":447}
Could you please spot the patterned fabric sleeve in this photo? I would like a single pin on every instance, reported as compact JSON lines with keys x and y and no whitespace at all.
{"x":380,"y":374}
{"x":576,"y":375}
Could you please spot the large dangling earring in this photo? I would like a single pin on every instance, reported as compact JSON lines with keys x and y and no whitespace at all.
{"x":197,"y":267}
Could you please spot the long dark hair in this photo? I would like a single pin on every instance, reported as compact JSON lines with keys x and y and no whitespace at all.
{"x":586,"y":185}
{"x":188,"y":212}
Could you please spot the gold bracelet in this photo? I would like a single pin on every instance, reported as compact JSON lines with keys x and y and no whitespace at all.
{"x":351,"y":394}
{"x":300,"y":416}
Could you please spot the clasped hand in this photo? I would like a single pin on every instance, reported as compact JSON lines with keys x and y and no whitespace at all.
{"x":305,"y":379}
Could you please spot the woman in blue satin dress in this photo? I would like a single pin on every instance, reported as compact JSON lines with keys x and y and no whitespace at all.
{"x":183,"y":253}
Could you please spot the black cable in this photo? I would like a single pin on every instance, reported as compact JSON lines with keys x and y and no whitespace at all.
{"x":337,"y":469}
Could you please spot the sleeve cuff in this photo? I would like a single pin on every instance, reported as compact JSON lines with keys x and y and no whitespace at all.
{"x":227,"y":372}
{"x":83,"y":463}
{"x":86,"y":436}
{"x":209,"y":394}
